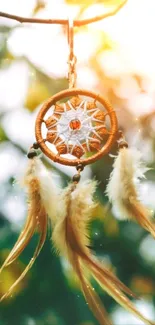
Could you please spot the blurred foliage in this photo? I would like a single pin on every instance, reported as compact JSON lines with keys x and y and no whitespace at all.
{"x":50,"y":295}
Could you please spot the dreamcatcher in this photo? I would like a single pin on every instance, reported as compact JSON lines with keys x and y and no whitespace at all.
{"x":77,"y":127}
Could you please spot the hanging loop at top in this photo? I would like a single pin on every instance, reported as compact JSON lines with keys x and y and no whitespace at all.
{"x":71,"y":38}
{"x":72,"y":58}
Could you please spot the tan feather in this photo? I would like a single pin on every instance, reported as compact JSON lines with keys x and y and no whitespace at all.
{"x":94,"y":302}
{"x":37,"y":219}
{"x":70,"y":237}
{"x":122,"y":189}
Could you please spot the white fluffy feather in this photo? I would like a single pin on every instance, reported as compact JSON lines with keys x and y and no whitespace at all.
{"x":124,"y":179}
{"x":123,"y":188}
{"x":48,"y":189}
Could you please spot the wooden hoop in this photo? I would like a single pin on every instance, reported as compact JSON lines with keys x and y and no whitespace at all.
{"x":68,"y":93}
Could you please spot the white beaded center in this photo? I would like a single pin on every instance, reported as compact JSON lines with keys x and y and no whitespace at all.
{"x":82,"y":134}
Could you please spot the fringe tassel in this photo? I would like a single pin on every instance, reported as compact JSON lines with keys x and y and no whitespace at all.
{"x":122,"y":189}
{"x":41,"y":198}
{"x":70,"y":238}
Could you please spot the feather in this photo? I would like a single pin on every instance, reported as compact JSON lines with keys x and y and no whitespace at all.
{"x":122,"y":189}
{"x":49,"y":190}
{"x":70,"y":237}
{"x":41,"y":198}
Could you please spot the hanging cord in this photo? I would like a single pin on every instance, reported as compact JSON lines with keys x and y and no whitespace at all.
{"x":72,"y":76}
{"x":77,"y":23}
{"x":72,"y":58}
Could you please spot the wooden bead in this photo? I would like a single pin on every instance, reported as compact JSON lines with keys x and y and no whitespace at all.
{"x":91,"y":105}
{"x":122,"y":144}
{"x":76,"y":178}
{"x":31,"y":154}
{"x":77,"y":151}
{"x":50,"y":137}
{"x":75,"y":101}
{"x":58,"y":109}
{"x":36,"y":145}
{"x":102,"y":131}
{"x":80,"y":167}
{"x":100,"y":116}
{"x":62,"y":149}
{"x":75,"y":124}
{"x":50,"y":121}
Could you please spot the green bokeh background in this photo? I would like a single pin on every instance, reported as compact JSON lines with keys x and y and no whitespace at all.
{"x":49,"y":294}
